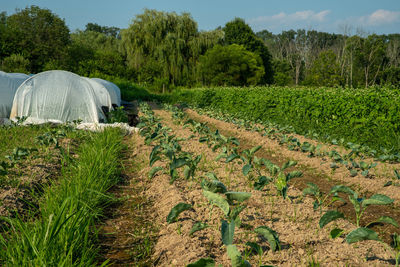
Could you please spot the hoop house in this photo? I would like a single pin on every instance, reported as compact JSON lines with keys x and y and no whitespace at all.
{"x":9,"y":83}
{"x":113,"y":90}
{"x":57,"y":96}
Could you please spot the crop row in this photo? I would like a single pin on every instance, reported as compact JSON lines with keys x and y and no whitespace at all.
{"x":259,"y":172}
{"x":370,"y":117}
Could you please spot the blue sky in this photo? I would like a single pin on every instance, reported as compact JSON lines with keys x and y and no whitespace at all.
{"x":370,"y":16}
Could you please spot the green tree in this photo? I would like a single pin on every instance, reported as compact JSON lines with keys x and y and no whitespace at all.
{"x":325,"y":71}
{"x":165,"y":46}
{"x":238,"y":32}
{"x":370,"y":57}
{"x":15,"y":63}
{"x":38,"y":35}
{"x":282,"y":72}
{"x":231,"y":65}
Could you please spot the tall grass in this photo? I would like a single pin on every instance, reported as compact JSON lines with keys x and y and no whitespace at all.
{"x":64,"y":234}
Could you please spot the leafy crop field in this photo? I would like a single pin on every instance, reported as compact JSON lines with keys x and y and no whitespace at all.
{"x":368,"y":117}
{"x":230,"y":194}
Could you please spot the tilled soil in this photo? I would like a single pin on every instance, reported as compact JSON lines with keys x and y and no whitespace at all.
{"x":293,"y":218}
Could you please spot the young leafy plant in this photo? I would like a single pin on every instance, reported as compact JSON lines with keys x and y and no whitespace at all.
{"x":360,"y":204}
{"x":327,"y":199}
{"x":176,"y":210}
{"x":248,"y":159}
{"x":280,"y":178}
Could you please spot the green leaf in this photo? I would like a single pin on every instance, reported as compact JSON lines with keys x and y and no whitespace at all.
{"x":177,"y":163}
{"x":288,"y":164}
{"x":175,"y":211}
{"x":293,"y":174}
{"x":330,"y":216}
{"x":236,"y":211}
{"x":341,"y":189}
{"x":255,"y":247}
{"x":388,"y":183}
{"x":238,"y":196}
{"x":336,"y":233}
{"x":365,"y":173}
{"x":360,"y":234}
{"x":236,"y":257}
{"x":353,"y":172}
{"x":254,"y":149}
{"x":198,"y":226}
{"x":377,"y":199}
{"x":213,"y":186}
{"x":262,"y":181}
{"x":312,"y":189}
{"x":153,"y":154}
{"x":186,"y":172}
{"x":218,"y":201}
{"x":271,"y":236}
{"x":154,"y":170}
{"x":153,"y":160}
{"x":389,"y":220}
{"x":246,"y":169}
{"x":227,"y":232}
{"x":204,"y":262}
{"x":231,"y":157}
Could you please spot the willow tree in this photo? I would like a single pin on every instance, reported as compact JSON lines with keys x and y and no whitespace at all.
{"x":166,"y":46}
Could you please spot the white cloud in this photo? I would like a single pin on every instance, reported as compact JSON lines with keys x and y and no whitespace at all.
{"x":305,"y":16}
{"x":294,"y":20}
{"x":380,"y":17}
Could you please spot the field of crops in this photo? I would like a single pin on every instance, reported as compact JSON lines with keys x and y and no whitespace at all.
{"x":369,"y":117}
{"x":202,"y":185}
{"x":229,"y":195}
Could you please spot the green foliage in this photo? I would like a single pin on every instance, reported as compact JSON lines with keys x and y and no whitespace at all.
{"x":325,"y":70}
{"x":70,"y":208}
{"x":117,"y":115}
{"x":368,"y":117}
{"x":238,"y":32}
{"x":38,"y":34}
{"x":165,"y":46}
{"x":15,"y":63}
{"x":230,"y":65}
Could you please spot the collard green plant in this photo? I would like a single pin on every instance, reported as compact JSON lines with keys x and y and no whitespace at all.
{"x":248,"y":157}
{"x":327,"y":199}
{"x":280,"y":178}
{"x":360,"y":204}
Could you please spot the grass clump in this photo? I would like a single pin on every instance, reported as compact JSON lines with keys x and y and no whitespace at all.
{"x":64,"y":234}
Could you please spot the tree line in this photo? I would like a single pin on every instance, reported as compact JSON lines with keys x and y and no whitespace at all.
{"x":164,"y":50}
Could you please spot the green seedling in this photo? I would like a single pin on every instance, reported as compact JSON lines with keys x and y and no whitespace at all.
{"x":321,"y":199}
{"x":360,"y":204}
{"x":249,"y":159}
{"x":396,"y":177}
{"x":255,"y":248}
{"x":280,"y":178}
{"x":50,"y":138}
{"x":20,"y":153}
